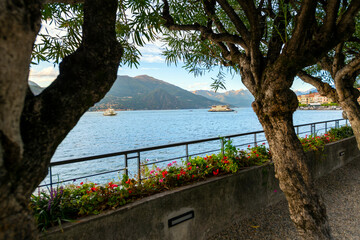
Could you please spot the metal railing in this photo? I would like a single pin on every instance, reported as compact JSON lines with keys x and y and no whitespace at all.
{"x":129,"y":166}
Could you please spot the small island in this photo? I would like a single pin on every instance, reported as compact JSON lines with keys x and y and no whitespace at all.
{"x":220,"y":108}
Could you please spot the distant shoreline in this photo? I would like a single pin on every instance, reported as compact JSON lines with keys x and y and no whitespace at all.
{"x":320,"y":108}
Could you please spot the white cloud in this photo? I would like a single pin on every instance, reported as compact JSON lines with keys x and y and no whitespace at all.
{"x":44,"y":76}
{"x":152,"y":58}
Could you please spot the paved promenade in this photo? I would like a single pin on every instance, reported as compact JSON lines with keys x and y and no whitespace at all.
{"x":341,"y":193}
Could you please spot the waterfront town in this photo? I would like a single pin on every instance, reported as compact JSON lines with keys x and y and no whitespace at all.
{"x":315,"y":99}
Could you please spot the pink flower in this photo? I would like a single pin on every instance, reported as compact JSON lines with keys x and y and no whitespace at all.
{"x":161,"y":180}
{"x":188,"y":163}
{"x":169,"y":165}
{"x":152,"y":171}
{"x":174,"y":162}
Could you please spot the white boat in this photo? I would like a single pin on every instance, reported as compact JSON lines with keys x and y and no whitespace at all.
{"x":109,"y":112}
{"x":220,"y":108}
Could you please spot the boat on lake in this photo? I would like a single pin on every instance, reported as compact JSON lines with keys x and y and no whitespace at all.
{"x":220,"y":108}
{"x":109,"y":112}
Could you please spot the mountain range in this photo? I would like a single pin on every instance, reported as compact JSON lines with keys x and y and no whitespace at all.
{"x":145,"y":92}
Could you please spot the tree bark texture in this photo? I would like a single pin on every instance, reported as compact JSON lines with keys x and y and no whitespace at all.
{"x":33,"y":126}
{"x":274,"y":108}
{"x":20,"y":23}
{"x":347,"y":98}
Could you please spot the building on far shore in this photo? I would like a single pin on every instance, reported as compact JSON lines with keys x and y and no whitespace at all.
{"x":313,"y":98}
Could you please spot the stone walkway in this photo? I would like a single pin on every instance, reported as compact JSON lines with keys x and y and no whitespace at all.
{"x":341,"y":193}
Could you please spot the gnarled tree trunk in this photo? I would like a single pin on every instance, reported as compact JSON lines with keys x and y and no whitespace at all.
{"x":33,"y":126}
{"x":20,"y":23}
{"x":274,"y":107}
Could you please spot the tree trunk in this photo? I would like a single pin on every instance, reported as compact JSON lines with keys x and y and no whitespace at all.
{"x":20,"y":23}
{"x":347,"y":98}
{"x":33,"y":126}
{"x":274,"y":108}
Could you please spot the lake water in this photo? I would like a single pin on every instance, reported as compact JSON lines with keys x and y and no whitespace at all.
{"x":95,"y":134}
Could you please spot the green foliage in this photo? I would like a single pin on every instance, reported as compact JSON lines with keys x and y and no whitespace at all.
{"x":314,"y":142}
{"x":302,"y":105}
{"x":138,"y":22}
{"x":329,"y":104}
{"x":341,"y":133}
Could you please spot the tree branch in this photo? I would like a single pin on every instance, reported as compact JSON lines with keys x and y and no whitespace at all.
{"x":323,"y":88}
{"x":277,"y":39}
{"x":303,"y":31}
{"x":349,"y":69}
{"x":85,"y":77}
{"x":206,"y":32}
{"x":235,"y":19}
{"x":338,"y":61}
{"x":332,"y":8}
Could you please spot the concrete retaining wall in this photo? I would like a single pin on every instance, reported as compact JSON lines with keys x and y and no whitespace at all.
{"x":214,"y":204}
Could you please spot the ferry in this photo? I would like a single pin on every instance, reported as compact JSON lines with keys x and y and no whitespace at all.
{"x":109,"y":112}
{"x":220,"y":108}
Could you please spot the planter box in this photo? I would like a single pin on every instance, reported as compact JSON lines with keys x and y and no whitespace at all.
{"x":202,"y":209}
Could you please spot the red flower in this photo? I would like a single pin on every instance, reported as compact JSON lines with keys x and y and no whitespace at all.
{"x":207,"y":166}
{"x":93,"y":189}
{"x":257,"y":155}
{"x":216,"y":172}
{"x":205,"y":158}
{"x":248,"y":146}
{"x":225,"y":158}
{"x":81,"y":183}
{"x":164,"y":173}
{"x":128,"y":181}
{"x":178,"y":177}
{"x":192,"y":176}
{"x":189,"y":168}
{"x":130,"y":191}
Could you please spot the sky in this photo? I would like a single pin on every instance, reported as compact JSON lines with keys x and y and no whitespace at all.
{"x":152,"y":63}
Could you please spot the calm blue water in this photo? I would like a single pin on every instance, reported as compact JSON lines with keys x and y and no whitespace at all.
{"x":95,"y":134}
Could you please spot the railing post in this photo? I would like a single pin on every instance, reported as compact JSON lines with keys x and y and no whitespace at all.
{"x":255,"y":141}
{"x":222,"y":146}
{"x":139,"y":167}
{"x":126,"y":165}
{"x":337,"y":124}
{"x":325,"y":127}
{"x":187,"y":152}
{"x":312,"y":126}
{"x":297,"y":130}
{"x":51,"y":183}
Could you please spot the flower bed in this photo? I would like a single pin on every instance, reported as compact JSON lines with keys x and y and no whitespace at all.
{"x":74,"y":201}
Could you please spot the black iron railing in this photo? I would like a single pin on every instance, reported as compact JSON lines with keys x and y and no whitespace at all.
{"x":131,"y":159}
